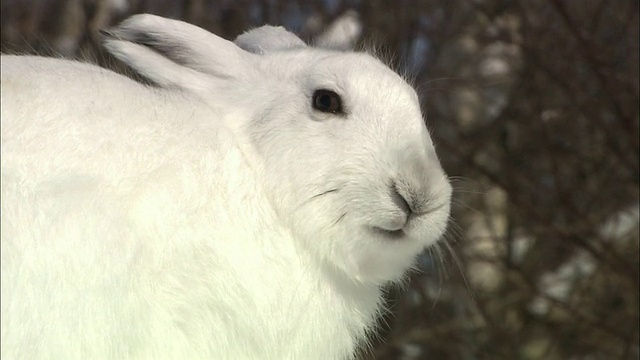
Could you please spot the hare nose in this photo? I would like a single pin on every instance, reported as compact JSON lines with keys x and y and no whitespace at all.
{"x":413,"y":200}
{"x":417,"y":185}
{"x":416,"y":192}
{"x":404,"y":202}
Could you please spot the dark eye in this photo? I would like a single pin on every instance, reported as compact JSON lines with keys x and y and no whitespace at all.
{"x":327,"y":101}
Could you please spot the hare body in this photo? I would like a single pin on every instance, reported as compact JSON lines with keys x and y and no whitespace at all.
{"x":132,"y":249}
{"x":216,"y":215}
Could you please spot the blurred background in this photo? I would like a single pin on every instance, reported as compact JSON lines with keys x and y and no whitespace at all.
{"x":533,"y":106}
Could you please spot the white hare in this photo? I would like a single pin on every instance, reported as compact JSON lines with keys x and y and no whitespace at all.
{"x":249,"y":206}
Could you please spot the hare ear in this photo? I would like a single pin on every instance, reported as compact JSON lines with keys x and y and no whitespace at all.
{"x":268,"y":38}
{"x":173,"y":53}
{"x":342,"y":34}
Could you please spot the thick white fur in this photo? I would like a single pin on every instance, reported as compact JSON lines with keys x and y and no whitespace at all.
{"x":215,"y":216}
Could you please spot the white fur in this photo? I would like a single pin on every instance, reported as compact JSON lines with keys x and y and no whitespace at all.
{"x":185,"y":221}
{"x":268,"y":38}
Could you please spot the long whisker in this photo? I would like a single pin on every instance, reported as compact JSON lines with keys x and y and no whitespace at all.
{"x":323,"y":193}
{"x":455,"y":232}
{"x":464,"y":205}
{"x":467,"y":191}
{"x":441,"y":258}
{"x":340,"y":218}
{"x":437,"y":253}
{"x":458,"y":262}
{"x":317,"y":196}
{"x":458,"y":178}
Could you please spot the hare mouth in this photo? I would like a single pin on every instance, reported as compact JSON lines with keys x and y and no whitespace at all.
{"x":392,"y":234}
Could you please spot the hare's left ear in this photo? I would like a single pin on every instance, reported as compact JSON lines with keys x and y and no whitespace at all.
{"x":268,"y":38}
{"x":173,"y":53}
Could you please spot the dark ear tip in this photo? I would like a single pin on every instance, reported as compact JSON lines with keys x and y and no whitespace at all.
{"x":107,"y":33}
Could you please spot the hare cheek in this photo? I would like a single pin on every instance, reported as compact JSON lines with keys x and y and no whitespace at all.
{"x":373,"y":259}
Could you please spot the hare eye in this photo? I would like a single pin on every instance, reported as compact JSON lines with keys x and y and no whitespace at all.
{"x":327,"y":101}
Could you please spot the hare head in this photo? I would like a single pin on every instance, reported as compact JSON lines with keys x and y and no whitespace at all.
{"x":336,"y":139}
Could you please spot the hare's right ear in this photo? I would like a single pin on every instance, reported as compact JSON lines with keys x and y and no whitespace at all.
{"x":268,"y":38}
{"x":173,"y":53}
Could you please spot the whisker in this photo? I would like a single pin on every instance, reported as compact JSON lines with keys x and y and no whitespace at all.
{"x":441,"y":79}
{"x":458,"y":262}
{"x":463,"y":184}
{"x":440,"y":255}
{"x":438,"y":264}
{"x":340,"y":218}
{"x":439,"y":293}
{"x":454,"y":233}
{"x":323,"y":193}
{"x":317,"y":196}
{"x":464,"y":205}
{"x":458,"y":178}
{"x":468,"y":191}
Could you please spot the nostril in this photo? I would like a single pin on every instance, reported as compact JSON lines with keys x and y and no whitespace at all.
{"x":401,"y":201}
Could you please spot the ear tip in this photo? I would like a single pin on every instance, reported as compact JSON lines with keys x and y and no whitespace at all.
{"x":143,"y":18}
{"x":268,"y":38}
{"x":106,"y":33}
{"x":137,"y":23}
{"x":109,"y":34}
